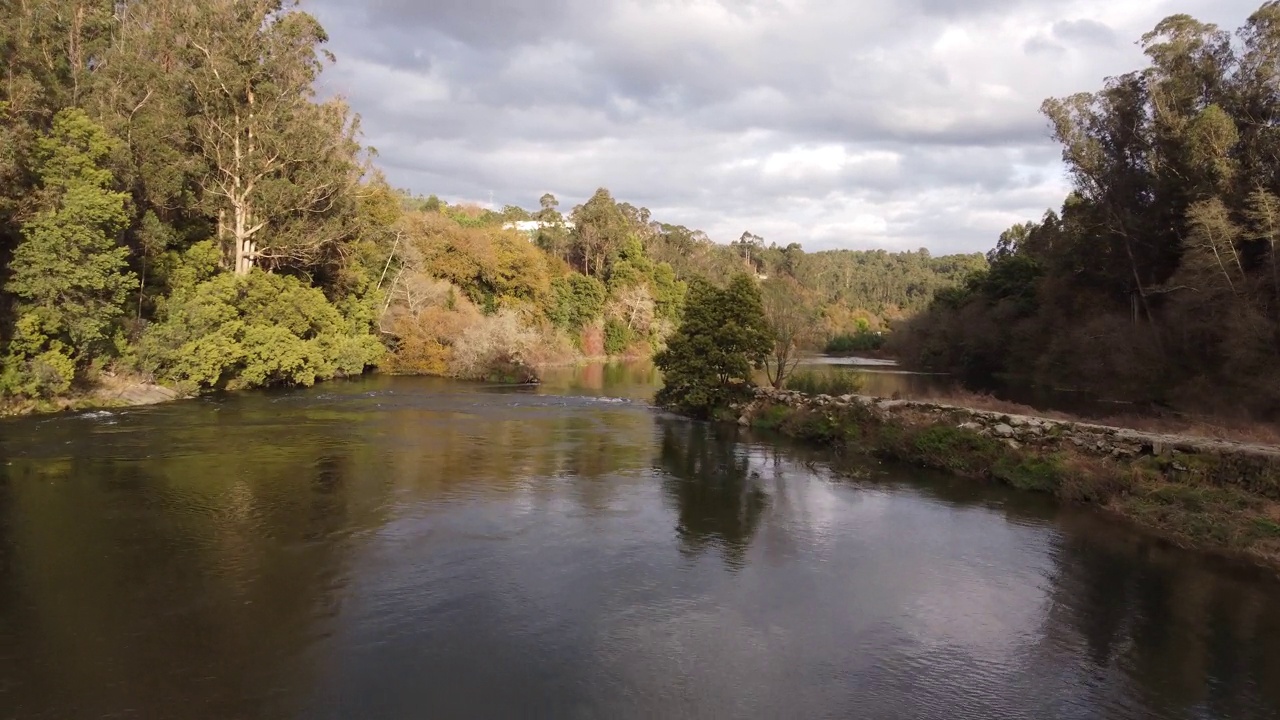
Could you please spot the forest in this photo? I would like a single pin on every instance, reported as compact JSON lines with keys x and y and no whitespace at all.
{"x":1158,"y":280}
{"x":179,"y":205}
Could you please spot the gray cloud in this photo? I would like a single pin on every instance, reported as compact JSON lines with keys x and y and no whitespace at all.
{"x":1090,"y":32}
{"x":488,"y":23}
{"x":873,"y":124}
{"x":1042,"y":45}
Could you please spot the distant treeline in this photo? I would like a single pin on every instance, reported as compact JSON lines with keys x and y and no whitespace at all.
{"x":1159,"y":278}
{"x":611,"y":280}
{"x":856,"y":290}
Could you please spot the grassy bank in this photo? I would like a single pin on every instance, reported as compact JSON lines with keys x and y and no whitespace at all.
{"x":1203,"y":500}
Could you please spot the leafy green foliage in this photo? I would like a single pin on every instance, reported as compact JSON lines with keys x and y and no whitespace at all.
{"x":579,"y":299}
{"x":617,"y":337}
{"x":951,"y":448}
{"x":668,"y":292}
{"x":601,"y":229}
{"x":1041,"y":473}
{"x":255,"y":330}
{"x":771,"y":417}
{"x":883,"y":284}
{"x":36,"y":366}
{"x":134,"y":170}
{"x":723,"y":335}
{"x":69,"y":273}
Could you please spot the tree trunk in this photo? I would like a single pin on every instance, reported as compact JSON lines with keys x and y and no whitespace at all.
{"x":1142,"y":297}
{"x":246,"y":249}
{"x":142,"y":284}
{"x":1275,"y":275}
{"x":237,"y":232}
{"x":227,"y":254}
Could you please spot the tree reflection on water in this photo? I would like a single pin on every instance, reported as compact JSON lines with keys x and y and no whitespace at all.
{"x":718,"y":498}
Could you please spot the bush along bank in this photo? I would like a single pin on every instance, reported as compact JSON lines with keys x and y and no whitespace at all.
{"x":1199,"y":493}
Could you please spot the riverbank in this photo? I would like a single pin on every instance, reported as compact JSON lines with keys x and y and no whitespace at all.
{"x":122,"y":391}
{"x":110,"y":392}
{"x":1061,"y":404}
{"x":1198,"y":492}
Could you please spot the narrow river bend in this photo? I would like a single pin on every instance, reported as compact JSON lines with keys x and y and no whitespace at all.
{"x":418,"y":548}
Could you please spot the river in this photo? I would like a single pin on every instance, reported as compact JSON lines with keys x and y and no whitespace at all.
{"x":419,"y":548}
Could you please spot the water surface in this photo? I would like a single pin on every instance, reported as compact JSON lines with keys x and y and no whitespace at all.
{"x":405,"y":548}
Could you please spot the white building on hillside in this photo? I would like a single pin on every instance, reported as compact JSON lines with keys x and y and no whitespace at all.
{"x":531,"y":227}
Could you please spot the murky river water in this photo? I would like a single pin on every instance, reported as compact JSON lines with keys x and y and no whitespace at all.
{"x":415,"y":548}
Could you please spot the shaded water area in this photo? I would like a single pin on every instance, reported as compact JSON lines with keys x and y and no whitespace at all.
{"x":406,"y":548}
{"x":885,"y":378}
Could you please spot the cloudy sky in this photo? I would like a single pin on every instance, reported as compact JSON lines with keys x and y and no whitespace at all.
{"x":890,"y":124}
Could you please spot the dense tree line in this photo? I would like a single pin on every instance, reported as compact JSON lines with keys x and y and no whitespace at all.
{"x":867,"y":283}
{"x":874,"y":286}
{"x":468,"y":297}
{"x":617,"y":276}
{"x":154,"y":155}
{"x":1157,"y":280}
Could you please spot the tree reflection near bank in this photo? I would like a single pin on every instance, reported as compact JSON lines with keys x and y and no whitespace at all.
{"x":717,"y":497}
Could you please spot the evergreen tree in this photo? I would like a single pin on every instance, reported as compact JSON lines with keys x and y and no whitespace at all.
{"x":723,"y":335}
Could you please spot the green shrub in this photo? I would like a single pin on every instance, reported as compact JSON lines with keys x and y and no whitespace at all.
{"x":1267,"y":527}
{"x":771,"y":417}
{"x":861,"y":341}
{"x":617,"y":337}
{"x":576,"y":301}
{"x":830,"y":381}
{"x":69,"y":276}
{"x":1032,"y":472}
{"x":255,"y":330}
{"x":817,"y":426}
{"x":45,"y":375}
{"x":952,"y":448}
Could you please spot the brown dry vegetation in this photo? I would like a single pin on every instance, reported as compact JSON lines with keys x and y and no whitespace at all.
{"x":471,"y":302}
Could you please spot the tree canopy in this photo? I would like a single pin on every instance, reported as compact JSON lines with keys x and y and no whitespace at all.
{"x":1157,"y":279}
{"x":152,"y":145}
{"x":723,"y":335}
